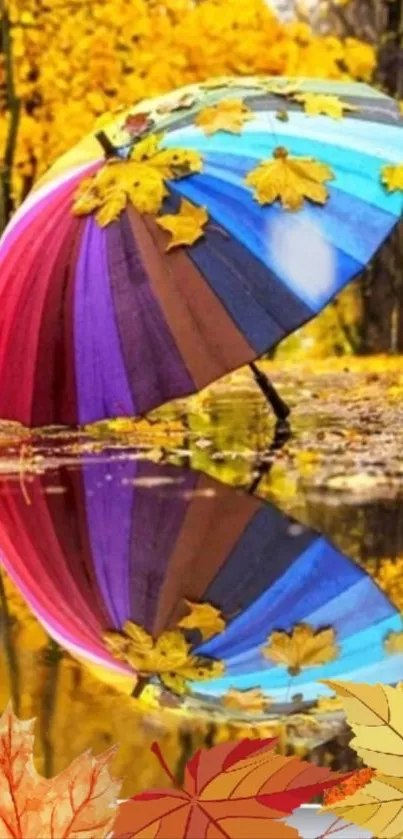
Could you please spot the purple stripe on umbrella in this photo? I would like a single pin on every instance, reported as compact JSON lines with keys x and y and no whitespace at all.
{"x":155,"y":368}
{"x":102,"y":384}
{"x":159,"y":514}
{"x":109,"y":495}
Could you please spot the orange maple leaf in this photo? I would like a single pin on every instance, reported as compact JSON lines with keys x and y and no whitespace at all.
{"x":234,"y":791}
{"x":81,"y":801}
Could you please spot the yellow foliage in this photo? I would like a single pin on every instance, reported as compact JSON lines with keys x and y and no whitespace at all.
{"x":290,"y":180}
{"x":204,"y":617}
{"x":75,"y":61}
{"x":140,"y":180}
{"x":331,"y":106}
{"x":392,"y":177}
{"x":302,"y":647}
{"x":169,"y":656}
{"x":186,"y":226}
{"x":228,"y":115}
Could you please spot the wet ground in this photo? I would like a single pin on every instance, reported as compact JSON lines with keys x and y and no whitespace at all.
{"x":339,"y":472}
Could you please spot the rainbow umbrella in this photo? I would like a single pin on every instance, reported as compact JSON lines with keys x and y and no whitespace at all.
{"x":185,"y":238}
{"x":110,"y":540}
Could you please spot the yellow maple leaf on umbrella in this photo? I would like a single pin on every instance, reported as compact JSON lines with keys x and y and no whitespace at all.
{"x":253,"y":700}
{"x":81,"y":801}
{"x":205,"y":617}
{"x":141,"y":180}
{"x":393,"y":643}
{"x":290,"y":180}
{"x":169,"y":656}
{"x":186,"y":226}
{"x":392,"y":177}
{"x":228,"y":115}
{"x":302,"y":647}
{"x":316,"y":104}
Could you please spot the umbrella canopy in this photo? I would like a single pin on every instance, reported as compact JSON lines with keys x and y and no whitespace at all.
{"x":130,"y":540}
{"x":226,"y":215}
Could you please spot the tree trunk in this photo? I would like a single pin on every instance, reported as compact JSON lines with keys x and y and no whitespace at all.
{"x":381,"y":286}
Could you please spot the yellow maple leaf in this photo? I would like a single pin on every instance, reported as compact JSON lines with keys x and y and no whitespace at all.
{"x":392,"y":177}
{"x":228,"y":115}
{"x":253,"y":700}
{"x":140,"y":180}
{"x":377,"y":807}
{"x":186,"y":226}
{"x":374,"y":712}
{"x":82,"y":800}
{"x":302,"y":647}
{"x":393,"y":643}
{"x":280,"y":87}
{"x":318,"y":103}
{"x":204,"y":617}
{"x":168,"y":657}
{"x":290,"y":180}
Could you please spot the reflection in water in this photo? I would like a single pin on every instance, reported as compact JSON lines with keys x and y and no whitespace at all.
{"x":114,"y":538}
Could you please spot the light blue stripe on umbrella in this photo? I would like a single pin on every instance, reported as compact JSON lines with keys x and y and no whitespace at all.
{"x":362,"y":637}
{"x":380,"y":140}
{"x":284,"y":249}
{"x":370,"y":655}
{"x":356,"y":172}
{"x":387,"y":671}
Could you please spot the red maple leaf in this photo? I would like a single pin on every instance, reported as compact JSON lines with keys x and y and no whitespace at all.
{"x":229,"y":792}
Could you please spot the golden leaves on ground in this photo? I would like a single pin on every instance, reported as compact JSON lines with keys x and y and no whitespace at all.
{"x":279,"y":87}
{"x":302,"y":647}
{"x":317,"y":103}
{"x":290,"y":180}
{"x":230,"y":790}
{"x":168,"y":657}
{"x":140,"y":180}
{"x":205,"y":617}
{"x":392,"y":177}
{"x":82,"y":800}
{"x":254,"y":700}
{"x":186,"y":226}
{"x":228,"y":115}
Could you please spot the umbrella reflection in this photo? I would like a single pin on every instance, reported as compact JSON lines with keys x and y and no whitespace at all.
{"x":113,"y":538}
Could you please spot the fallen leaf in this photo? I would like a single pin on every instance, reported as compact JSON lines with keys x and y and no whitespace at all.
{"x":168,"y":657}
{"x":290,"y":180}
{"x":280,"y":88}
{"x":137,"y":124}
{"x":186,"y":100}
{"x":141,"y":180}
{"x":282,"y":116}
{"x":232,"y":791}
{"x":186,"y":226}
{"x":81,"y":801}
{"x":378,"y":807}
{"x":392,"y":177}
{"x":205,"y":617}
{"x":393,"y":643}
{"x":253,"y":700}
{"x":318,"y":103}
{"x":228,"y":115}
{"x":302,"y":647}
{"x":374,"y":713}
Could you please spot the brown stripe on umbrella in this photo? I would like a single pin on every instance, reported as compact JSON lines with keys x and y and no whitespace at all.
{"x":209,"y":532}
{"x":205,"y":334}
